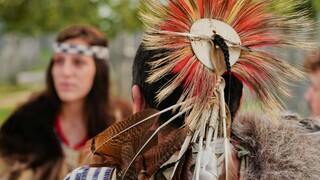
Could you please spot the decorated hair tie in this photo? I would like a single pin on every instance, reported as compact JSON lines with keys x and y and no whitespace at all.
{"x":99,"y":52}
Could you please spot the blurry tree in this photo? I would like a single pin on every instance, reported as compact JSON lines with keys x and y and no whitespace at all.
{"x":49,"y":16}
{"x":312,"y":7}
{"x":316,"y":5}
{"x":112,"y":16}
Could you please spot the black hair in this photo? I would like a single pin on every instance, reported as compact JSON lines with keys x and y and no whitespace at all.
{"x":140,"y":72}
{"x":232,"y":92}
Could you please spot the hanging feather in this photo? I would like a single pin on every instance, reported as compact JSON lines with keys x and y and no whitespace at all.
{"x":145,"y":143}
{"x":158,"y":155}
{"x":108,"y":148}
{"x":122,"y":144}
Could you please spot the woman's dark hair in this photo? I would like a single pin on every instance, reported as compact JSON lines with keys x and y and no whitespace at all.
{"x":96,"y":108}
{"x":140,"y":71}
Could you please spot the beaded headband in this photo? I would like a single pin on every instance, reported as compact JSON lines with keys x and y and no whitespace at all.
{"x":99,"y":52}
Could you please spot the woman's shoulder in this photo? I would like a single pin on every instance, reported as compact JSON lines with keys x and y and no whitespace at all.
{"x":121,"y":108}
{"x":36,"y":101}
{"x":36,"y":107}
{"x":27,"y":135}
{"x":29,"y":123}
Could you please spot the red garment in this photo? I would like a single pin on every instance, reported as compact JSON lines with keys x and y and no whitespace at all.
{"x":63,"y":138}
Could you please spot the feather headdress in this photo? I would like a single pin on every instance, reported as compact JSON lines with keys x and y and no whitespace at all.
{"x":170,"y":24}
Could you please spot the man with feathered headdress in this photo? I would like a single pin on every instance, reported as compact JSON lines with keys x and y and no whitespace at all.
{"x":187,"y":86}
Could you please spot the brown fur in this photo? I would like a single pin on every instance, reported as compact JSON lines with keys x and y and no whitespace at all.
{"x":282,"y":150}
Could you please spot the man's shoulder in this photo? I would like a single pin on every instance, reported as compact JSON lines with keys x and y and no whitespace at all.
{"x":87,"y":172}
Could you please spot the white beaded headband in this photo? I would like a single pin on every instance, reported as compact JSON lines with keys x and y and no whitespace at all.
{"x":99,"y":52}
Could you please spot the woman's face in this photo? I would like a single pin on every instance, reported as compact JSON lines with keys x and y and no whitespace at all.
{"x":73,"y":75}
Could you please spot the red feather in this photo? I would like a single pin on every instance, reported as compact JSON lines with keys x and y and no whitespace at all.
{"x":175,"y":26}
{"x":182,"y":64}
{"x":191,"y":73}
{"x":200,"y":5}
{"x":176,"y":12}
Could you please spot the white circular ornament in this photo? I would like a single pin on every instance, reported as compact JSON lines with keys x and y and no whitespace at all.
{"x":207,"y":27}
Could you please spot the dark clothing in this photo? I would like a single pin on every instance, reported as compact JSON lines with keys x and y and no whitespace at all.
{"x":28,"y":136}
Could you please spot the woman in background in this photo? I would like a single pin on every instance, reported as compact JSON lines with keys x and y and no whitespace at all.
{"x":43,"y":138}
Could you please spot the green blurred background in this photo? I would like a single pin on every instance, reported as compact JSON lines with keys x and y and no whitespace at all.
{"x":28,"y":28}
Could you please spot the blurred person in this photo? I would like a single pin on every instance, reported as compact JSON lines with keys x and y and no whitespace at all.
{"x":312,"y":94}
{"x":43,"y":138}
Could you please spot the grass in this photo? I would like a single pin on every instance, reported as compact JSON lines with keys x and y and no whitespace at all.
{"x":4,"y":113}
{"x":9,"y":88}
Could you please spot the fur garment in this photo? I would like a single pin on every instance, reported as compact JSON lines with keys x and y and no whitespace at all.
{"x":28,"y":140}
{"x":288,"y":148}
{"x":28,"y":137}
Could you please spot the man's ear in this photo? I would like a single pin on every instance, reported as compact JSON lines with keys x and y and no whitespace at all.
{"x":139,"y":102}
